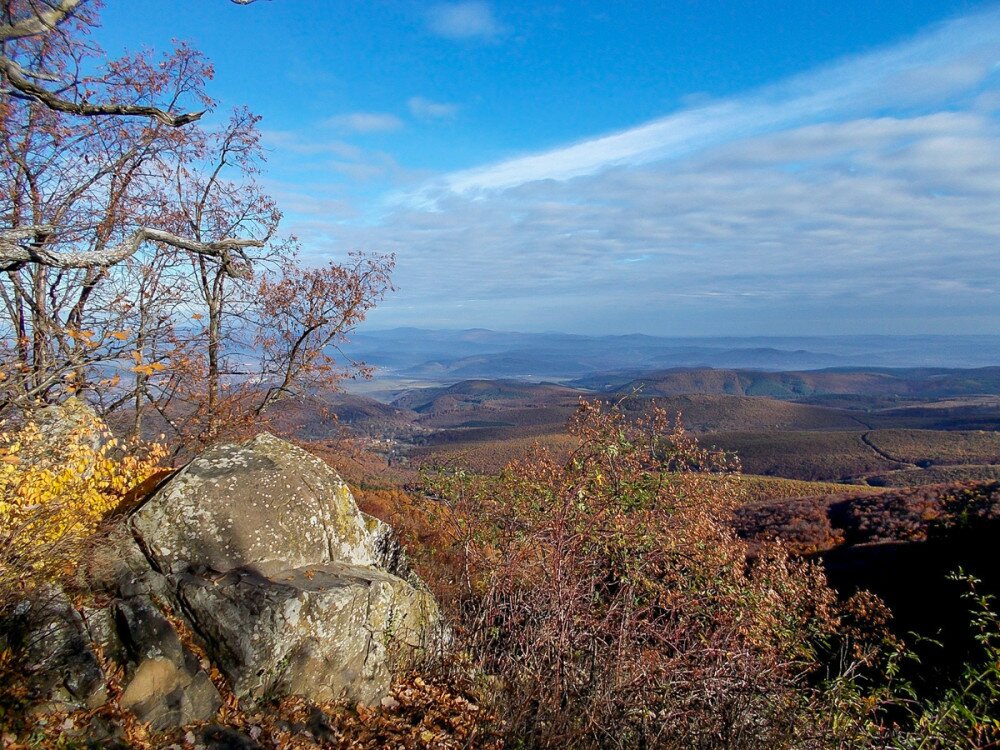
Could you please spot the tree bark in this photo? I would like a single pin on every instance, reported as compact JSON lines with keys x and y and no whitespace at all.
{"x":14,"y":255}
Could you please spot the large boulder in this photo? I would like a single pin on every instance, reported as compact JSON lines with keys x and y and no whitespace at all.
{"x":260,"y":554}
{"x":326,"y":632}
{"x":264,"y":504}
{"x":72,"y":422}
{"x":292,"y":588}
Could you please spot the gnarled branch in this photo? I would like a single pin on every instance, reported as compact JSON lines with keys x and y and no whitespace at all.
{"x":21,"y":85}
{"x":14,"y":254}
{"x":42,"y":22}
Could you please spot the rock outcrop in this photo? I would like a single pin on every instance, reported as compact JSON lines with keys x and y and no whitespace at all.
{"x":264,"y":504}
{"x":260,"y":555}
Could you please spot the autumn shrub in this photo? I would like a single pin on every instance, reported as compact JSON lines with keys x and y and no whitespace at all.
{"x":607,"y":603}
{"x":54,"y":492}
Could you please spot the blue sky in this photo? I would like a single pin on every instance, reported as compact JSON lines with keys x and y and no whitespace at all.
{"x":693,"y":167}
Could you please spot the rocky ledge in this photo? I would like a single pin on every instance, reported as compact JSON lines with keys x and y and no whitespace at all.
{"x":256,"y":558}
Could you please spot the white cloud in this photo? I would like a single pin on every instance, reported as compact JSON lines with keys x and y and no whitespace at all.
{"x":465,"y":20}
{"x":425,"y":109}
{"x":288,"y":141}
{"x":366,"y":122}
{"x":857,"y":198}
{"x":958,"y":55}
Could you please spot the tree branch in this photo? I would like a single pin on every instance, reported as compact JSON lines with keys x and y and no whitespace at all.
{"x":14,"y":255}
{"x":42,"y":22}
{"x":22,"y":85}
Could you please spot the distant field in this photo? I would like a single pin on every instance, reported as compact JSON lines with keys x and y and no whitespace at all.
{"x":937,"y":447}
{"x":762,"y":489}
{"x":713,"y":413}
{"x":969,"y":413}
{"x":525,"y":417}
{"x":890,"y":458}
{"x":490,"y":456}
{"x":936,"y":475}
{"x":808,"y":455}
{"x":865,"y":427}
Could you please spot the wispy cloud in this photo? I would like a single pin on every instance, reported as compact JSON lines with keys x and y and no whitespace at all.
{"x":465,"y":20}
{"x":292,"y":142}
{"x":425,"y":109}
{"x":959,"y":55}
{"x":366,"y":122}
{"x":858,"y":197}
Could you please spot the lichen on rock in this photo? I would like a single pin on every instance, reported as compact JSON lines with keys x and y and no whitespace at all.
{"x":265,"y":504}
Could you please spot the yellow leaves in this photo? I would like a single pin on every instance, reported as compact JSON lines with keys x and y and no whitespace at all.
{"x":85,"y":337}
{"x":53,"y":495}
{"x":119,"y":335}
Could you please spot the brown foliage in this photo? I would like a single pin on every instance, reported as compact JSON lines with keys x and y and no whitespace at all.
{"x":613,"y":606}
{"x":419,"y":714}
{"x":820,"y":523}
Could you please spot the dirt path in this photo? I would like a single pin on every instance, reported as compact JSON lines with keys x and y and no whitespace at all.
{"x":878,"y":451}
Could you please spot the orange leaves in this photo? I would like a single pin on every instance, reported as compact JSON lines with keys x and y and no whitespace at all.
{"x":149,"y":369}
{"x":83,"y":338}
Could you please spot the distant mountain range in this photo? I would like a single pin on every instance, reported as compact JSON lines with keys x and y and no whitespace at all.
{"x":453,"y":355}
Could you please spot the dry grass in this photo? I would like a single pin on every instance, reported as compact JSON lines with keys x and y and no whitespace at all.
{"x":938,"y":447}
{"x":761,"y":489}
{"x":807,"y":455}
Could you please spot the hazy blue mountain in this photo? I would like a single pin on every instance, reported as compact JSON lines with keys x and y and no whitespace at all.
{"x":452,"y":355}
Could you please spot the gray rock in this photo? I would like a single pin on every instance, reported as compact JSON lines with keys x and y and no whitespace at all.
{"x":58,"y":421}
{"x":165,"y":695}
{"x":102,"y":633}
{"x":64,"y":668}
{"x":287,"y":586}
{"x":145,"y":632}
{"x":220,"y":738}
{"x":325,"y":632}
{"x":166,"y":685}
{"x":71,"y":421}
{"x":265,"y":504}
{"x":389,"y":553}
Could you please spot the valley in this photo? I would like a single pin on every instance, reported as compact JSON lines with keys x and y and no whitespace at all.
{"x":890,"y":477}
{"x":892,"y":427}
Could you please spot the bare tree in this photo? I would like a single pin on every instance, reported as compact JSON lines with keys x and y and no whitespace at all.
{"x":23,"y":77}
{"x":29,"y":19}
{"x":137,"y":259}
